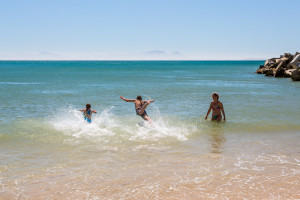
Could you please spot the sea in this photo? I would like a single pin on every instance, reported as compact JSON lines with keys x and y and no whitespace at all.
{"x":48,"y":151}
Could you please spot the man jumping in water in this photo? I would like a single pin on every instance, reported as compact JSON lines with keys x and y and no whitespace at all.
{"x":140,"y":106}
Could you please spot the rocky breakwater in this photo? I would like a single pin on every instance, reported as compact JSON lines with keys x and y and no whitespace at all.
{"x":287,"y":65}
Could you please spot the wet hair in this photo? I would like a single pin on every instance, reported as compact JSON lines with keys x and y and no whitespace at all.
{"x":216,"y":94}
{"x":88,"y":106}
{"x":139,"y":98}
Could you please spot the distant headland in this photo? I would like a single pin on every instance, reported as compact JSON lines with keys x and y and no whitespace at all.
{"x":287,"y":66}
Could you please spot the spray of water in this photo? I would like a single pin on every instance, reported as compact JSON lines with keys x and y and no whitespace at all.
{"x":107,"y":127}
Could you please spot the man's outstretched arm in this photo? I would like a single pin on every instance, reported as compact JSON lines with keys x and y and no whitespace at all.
{"x":127,"y":100}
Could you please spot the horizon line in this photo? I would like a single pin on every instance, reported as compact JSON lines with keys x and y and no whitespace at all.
{"x":134,"y":60}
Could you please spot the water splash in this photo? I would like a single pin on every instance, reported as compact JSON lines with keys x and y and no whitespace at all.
{"x":107,"y":127}
{"x":71,"y":122}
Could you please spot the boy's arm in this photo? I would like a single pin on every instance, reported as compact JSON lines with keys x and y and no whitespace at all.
{"x":94,"y":111}
{"x":151,"y":101}
{"x":81,"y":110}
{"x":127,"y":100}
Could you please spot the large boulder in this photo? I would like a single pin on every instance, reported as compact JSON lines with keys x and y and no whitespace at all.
{"x":261,"y":66}
{"x":277,"y":60}
{"x":269,"y":72}
{"x":287,"y":65}
{"x":259,"y":71}
{"x":265,"y":70}
{"x":278,"y":72}
{"x":269,"y":62}
{"x":294,"y":63}
{"x":295,"y":75}
{"x":288,"y":73}
{"x":288,"y":55}
{"x":284,"y":59}
{"x":274,"y":65}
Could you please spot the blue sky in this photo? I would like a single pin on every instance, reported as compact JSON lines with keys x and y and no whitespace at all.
{"x":140,"y":29}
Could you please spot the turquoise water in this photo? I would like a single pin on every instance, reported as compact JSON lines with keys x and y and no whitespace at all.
{"x":43,"y":135}
{"x":182,"y":89}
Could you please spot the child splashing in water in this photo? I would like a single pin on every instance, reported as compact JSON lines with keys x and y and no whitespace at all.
{"x":217,"y":107}
{"x":88,"y":113}
{"x":140,"y":106}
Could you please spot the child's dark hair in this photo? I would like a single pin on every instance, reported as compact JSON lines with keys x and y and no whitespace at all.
{"x":88,"y":106}
{"x":139,"y":98}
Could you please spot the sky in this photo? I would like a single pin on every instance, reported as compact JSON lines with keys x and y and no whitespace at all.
{"x":148,"y":30}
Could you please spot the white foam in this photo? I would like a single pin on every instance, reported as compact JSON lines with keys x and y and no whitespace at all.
{"x":159,"y":129}
{"x":107,"y":127}
{"x":162,"y":128}
{"x":71,"y":122}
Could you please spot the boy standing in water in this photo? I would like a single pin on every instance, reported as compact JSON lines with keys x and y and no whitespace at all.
{"x":217,"y":107}
{"x":88,"y":113}
{"x":140,"y":106}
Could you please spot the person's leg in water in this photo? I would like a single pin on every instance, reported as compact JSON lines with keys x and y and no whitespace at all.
{"x":142,"y":111}
{"x":147,"y":118}
{"x":144,"y":107}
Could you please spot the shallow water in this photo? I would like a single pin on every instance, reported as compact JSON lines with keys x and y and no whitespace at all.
{"x":48,"y":151}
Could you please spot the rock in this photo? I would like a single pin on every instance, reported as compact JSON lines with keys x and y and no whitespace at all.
{"x":295,"y":75}
{"x":288,"y":55}
{"x":269,"y":72}
{"x":294,"y":63}
{"x":269,"y":62}
{"x":288,"y":73}
{"x":259,"y":71}
{"x":274,"y":65}
{"x":287,"y":65}
{"x":296,"y":78}
{"x":264,"y":70}
{"x":278,"y":72}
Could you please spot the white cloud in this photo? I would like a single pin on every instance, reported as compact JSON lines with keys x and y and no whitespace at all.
{"x":161,"y":55}
{"x":155,"y":52}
